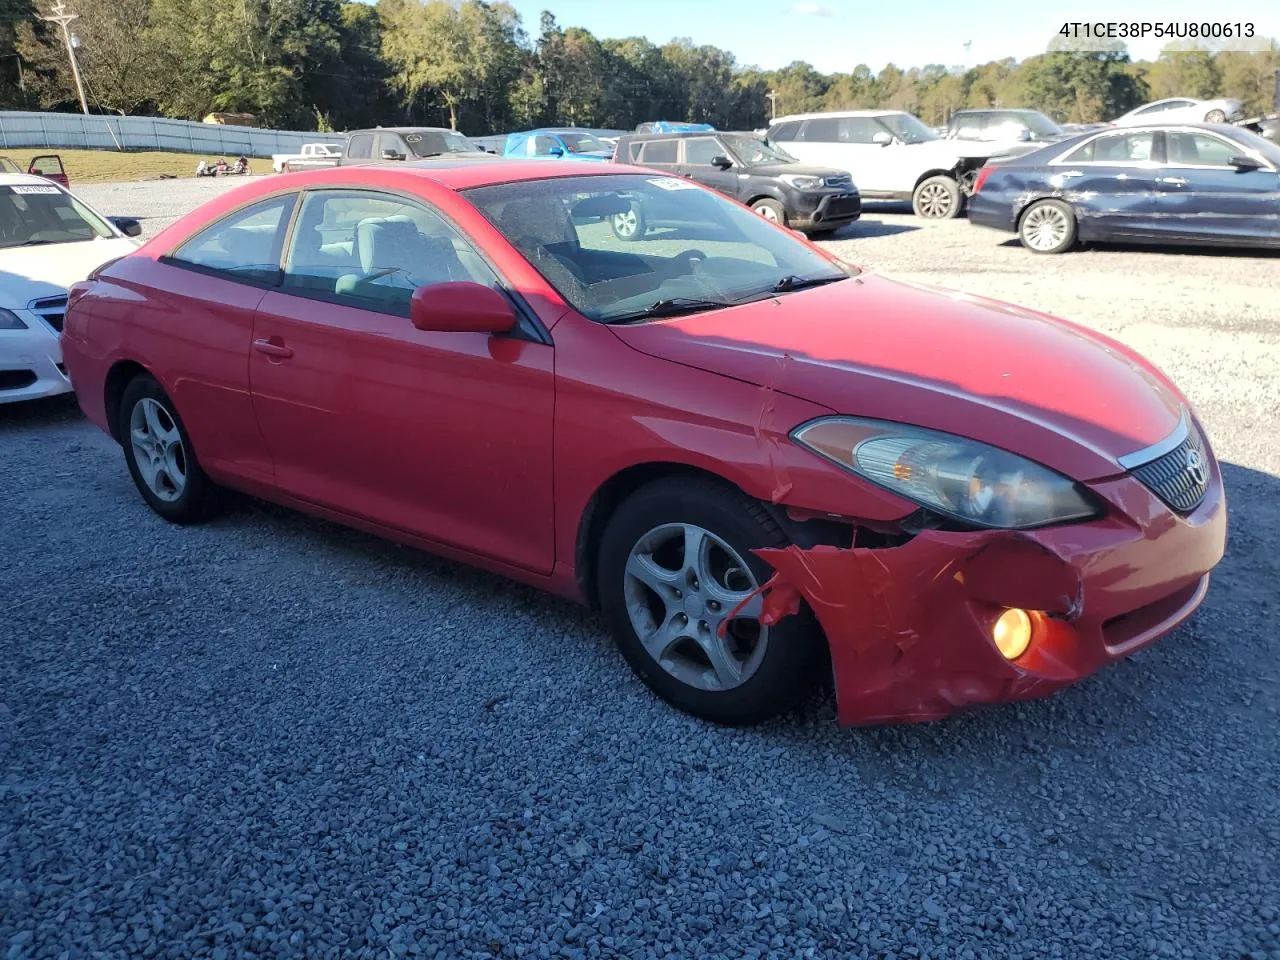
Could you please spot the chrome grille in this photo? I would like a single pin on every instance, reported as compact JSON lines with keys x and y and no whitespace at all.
{"x":1180,"y":477}
{"x":843,"y":181}
{"x":51,"y":310}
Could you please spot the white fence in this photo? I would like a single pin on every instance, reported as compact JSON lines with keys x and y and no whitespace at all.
{"x":76,"y":131}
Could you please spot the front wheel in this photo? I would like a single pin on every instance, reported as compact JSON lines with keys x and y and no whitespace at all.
{"x":937,"y":198}
{"x":1048,"y":227}
{"x":160,"y":456}
{"x":771,"y":210}
{"x":1215,"y":116}
{"x":629,"y":226}
{"x":676,"y":569}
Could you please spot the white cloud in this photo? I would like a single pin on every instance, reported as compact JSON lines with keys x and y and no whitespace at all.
{"x":811,"y":9}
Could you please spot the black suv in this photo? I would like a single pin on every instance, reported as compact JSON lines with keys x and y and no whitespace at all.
{"x":775,"y":184}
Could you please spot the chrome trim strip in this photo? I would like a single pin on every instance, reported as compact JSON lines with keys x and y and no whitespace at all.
{"x":1157,"y":450}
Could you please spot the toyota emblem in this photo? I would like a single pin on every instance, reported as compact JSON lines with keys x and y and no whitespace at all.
{"x":1195,"y":468}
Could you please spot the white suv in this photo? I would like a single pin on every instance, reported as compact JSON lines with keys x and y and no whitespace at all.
{"x":890,"y":154}
{"x":48,"y":241}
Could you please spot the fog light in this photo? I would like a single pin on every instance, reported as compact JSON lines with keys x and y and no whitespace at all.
{"x":1012,"y":633}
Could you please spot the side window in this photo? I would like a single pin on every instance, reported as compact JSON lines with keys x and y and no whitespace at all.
{"x":246,"y":245}
{"x":858,"y":130}
{"x":824,"y":130}
{"x":1115,"y":148}
{"x":361,"y":147}
{"x":542,"y":146}
{"x":1198,"y":150}
{"x":659,"y":151}
{"x":389,"y":141}
{"x":373,"y":250}
{"x":784,"y":132}
{"x":698,"y":151}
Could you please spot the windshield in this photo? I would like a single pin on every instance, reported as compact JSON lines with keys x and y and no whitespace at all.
{"x":618,"y":246}
{"x":584,"y":143}
{"x":907,"y":128}
{"x":1259,"y":144}
{"x":753,"y":150}
{"x":1041,"y":125}
{"x":433,"y":142}
{"x":32,"y":214}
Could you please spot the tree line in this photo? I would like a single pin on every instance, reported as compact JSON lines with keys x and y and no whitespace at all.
{"x":334,"y":65}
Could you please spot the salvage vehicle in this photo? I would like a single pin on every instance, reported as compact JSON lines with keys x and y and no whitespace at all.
{"x":311,"y":155}
{"x":760,"y":462}
{"x":558,"y":144}
{"x":1177,"y":183}
{"x":48,"y":240}
{"x":1181,"y":110}
{"x":815,"y":200}
{"x":1004,"y":128}
{"x":891,"y":155}
{"x":384,"y":144}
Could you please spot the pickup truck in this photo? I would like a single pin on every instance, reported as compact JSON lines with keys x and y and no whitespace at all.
{"x":312,"y":155}
{"x":387,"y":144}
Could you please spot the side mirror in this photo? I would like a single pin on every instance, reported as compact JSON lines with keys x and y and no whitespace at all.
{"x":129,"y":226}
{"x":1024,"y":134}
{"x":556,"y":151}
{"x":721,"y":162}
{"x":1244,"y":164}
{"x":461,"y":307}
{"x":392,"y":155}
{"x":884,"y":138}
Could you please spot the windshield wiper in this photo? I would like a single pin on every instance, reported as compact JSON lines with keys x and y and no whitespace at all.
{"x":37,"y":243}
{"x":670,"y":308}
{"x":792,"y":282}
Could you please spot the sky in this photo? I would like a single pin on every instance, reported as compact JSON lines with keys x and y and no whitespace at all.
{"x":837,"y":35}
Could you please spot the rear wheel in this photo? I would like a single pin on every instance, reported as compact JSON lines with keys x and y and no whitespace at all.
{"x":771,"y":210}
{"x":160,"y":456}
{"x":1215,"y":116}
{"x":936,"y":198}
{"x":675,"y":563}
{"x":629,"y":226}
{"x":1048,"y":226}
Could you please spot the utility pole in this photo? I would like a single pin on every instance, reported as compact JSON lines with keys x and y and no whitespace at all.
{"x":773,"y":105}
{"x":61,"y":17}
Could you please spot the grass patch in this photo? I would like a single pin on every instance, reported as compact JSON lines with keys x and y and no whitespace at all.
{"x":107,"y":166}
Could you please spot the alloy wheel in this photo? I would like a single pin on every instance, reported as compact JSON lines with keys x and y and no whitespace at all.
{"x":935,"y":201}
{"x":157,"y":449}
{"x":626,"y":224}
{"x":768,"y":213}
{"x":1045,"y":228}
{"x":682,"y":584}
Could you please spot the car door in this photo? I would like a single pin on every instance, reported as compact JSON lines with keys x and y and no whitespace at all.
{"x":50,"y":167}
{"x":1111,"y":182}
{"x":695,"y":163}
{"x":443,"y":435}
{"x":1203,"y":196}
{"x":199,"y":316}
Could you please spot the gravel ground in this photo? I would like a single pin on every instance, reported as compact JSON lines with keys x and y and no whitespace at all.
{"x":270,"y":736}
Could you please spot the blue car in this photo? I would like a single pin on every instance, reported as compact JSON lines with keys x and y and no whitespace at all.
{"x":1168,"y":183}
{"x":558,"y":144}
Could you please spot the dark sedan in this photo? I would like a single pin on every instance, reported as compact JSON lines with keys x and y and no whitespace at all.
{"x":1183,"y":183}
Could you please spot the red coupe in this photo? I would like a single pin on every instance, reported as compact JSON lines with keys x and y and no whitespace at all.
{"x":760,"y":463}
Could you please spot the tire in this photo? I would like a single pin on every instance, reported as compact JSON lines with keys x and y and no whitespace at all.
{"x":631,"y":226}
{"x":1215,"y":116}
{"x":170,"y":478}
{"x":937,"y":198}
{"x":771,"y":210}
{"x":765,"y":670}
{"x":1047,"y":226}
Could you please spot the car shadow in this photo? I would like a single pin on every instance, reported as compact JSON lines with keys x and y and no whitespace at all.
{"x":866,"y":229}
{"x":28,"y":414}
{"x":1169,"y":250}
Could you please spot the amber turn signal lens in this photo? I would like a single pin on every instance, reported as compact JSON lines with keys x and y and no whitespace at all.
{"x":1012,"y":633}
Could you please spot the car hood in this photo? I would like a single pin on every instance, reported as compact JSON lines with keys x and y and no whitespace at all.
{"x":794,"y":169}
{"x":1041,"y":387}
{"x":29,"y":273}
{"x":946,"y":152}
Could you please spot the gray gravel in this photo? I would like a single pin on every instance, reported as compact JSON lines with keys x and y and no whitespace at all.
{"x":270,"y":736}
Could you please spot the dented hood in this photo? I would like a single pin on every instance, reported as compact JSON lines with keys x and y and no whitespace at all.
{"x":1040,"y":387}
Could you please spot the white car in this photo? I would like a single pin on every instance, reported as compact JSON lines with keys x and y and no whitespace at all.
{"x":890,"y":154}
{"x":48,"y":240}
{"x":1182,"y":110}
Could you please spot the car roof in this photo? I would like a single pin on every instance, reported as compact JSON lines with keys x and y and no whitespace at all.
{"x":996,"y":110}
{"x":462,"y":173}
{"x":23,"y":179}
{"x":689,"y":134}
{"x":405,"y":130}
{"x":836,"y":113}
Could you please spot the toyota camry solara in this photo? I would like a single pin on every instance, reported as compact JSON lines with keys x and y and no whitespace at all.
{"x":758,"y":462}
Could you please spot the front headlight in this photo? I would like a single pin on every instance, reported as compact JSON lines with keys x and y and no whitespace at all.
{"x":801,"y":183}
{"x":11,"y":321}
{"x":959,"y":478}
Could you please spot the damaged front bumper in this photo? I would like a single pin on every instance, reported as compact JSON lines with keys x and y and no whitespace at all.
{"x":910,"y":626}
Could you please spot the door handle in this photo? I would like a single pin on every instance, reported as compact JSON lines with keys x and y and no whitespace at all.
{"x":1176,"y":181}
{"x":273,"y":348}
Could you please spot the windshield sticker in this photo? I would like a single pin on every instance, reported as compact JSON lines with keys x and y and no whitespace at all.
{"x":49,"y":189}
{"x":673,"y":183}
{"x":414,"y":137}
